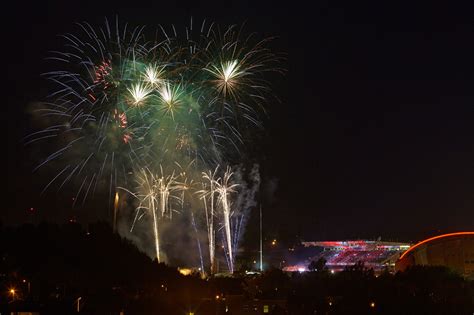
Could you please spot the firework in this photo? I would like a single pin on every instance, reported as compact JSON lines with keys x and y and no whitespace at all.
{"x":155,"y":193}
{"x":127,"y":107}
{"x":224,"y":190}
{"x":139,"y":93}
{"x":208,"y":193}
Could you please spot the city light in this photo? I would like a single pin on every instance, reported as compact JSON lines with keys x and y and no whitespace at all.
{"x":12,"y":292}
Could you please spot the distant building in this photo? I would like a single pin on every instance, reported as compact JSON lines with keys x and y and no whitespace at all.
{"x":453,"y":250}
{"x":378,"y":255}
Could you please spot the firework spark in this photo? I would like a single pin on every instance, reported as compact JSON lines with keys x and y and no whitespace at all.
{"x":227,"y":76}
{"x":224,"y":189}
{"x":154,"y":75}
{"x":155,"y":193}
{"x":208,"y":193}
{"x":170,"y":97}
{"x":139,"y":93}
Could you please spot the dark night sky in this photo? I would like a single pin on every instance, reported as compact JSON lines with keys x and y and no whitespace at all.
{"x":374,"y":135}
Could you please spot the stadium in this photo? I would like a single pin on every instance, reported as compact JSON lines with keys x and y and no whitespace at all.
{"x":378,"y":255}
{"x":453,"y":250}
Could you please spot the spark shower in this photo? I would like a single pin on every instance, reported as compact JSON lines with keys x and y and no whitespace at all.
{"x":163,"y":119}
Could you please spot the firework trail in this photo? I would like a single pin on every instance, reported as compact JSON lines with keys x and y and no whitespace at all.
{"x":126,"y":107}
{"x":148,"y":201}
{"x":224,"y":190}
{"x":155,"y":193}
{"x":201,"y":260}
{"x":186,"y":186}
{"x":208,"y":193}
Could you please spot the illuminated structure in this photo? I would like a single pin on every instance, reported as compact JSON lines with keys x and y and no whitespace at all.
{"x":453,"y":250}
{"x":338,"y":255}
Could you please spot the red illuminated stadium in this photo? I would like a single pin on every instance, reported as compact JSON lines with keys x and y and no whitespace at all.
{"x":338,"y":255}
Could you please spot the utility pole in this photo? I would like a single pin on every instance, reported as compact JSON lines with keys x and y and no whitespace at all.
{"x":261,"y":241}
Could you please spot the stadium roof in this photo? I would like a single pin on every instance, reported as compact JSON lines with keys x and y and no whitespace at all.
{"x":354,"y":244}
{"x":435,"y":238}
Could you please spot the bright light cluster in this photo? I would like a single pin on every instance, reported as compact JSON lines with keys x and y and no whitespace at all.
{"x":139,"y":93}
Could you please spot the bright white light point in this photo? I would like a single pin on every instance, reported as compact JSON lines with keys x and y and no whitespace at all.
{"x":301,"y":270}
{"x":152,"y":75}
{"x":230,"y":70}
{"x":139,"y":93}
{"x":228,"y":75}
{"x":166,"y":93}
{"x":170,"y":98}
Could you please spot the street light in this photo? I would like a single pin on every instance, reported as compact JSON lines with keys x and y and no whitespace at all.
{"x":12,"y":292}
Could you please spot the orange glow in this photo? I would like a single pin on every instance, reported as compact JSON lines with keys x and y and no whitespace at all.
{"x":434,"y":238}
{"x":185,"y":271}
{"x":116,"y":200}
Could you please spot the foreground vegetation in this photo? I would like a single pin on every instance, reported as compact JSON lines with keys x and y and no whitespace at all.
{"x":53,"y":269}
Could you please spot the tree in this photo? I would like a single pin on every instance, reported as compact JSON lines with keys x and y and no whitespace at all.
{"x":318,"y":266}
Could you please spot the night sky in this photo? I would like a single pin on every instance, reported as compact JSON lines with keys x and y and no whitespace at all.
{"x":374,"y":134}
